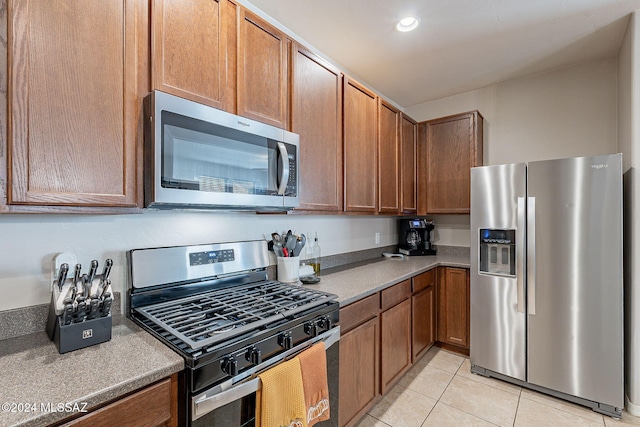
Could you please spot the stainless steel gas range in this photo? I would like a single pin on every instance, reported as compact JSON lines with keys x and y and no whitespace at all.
{"x":214,"y":305}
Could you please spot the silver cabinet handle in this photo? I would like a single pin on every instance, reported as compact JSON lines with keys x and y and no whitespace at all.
{"x":520,"y":249}
{"x":284,"y":165}
{"x":233,"y":389}
{"x":531,"y":255}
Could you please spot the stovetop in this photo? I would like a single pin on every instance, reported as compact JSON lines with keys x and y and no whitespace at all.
{"x":216,"y":316}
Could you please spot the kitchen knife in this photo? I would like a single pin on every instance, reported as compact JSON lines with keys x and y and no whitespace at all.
{"x":106,"y":305}
{"x":93,"y":308}
{"x":105,"y":273}
{"x":92,"y":272}
{"x":105,"y":286}
{"x":62,"y":275}
{"x":76,"y":275}
{"x":81,"y":309}
{"x":67,"y":314}
{"x":85,"y":288}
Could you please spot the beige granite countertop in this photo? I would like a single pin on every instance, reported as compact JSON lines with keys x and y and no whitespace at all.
{"x":35,"y":377}
{"x":359,"y":280}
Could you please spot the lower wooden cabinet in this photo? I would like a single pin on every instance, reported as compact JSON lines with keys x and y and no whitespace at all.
{"x":359,"y":374}
{"x":423,"y":314}
{"x":395,"y":335}
{"x":453,"y":308}
{"x":153,"y":406}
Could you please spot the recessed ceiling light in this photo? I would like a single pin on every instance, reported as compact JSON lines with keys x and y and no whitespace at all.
{"x":407,"y":24}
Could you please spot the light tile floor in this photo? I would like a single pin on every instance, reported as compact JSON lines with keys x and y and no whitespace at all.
{"x":440,"y":390}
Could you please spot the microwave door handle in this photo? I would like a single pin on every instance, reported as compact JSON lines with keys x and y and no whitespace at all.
{"x":284,"y":167}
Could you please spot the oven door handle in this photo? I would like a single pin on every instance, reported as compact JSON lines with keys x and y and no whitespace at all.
{"x":230,"y":391}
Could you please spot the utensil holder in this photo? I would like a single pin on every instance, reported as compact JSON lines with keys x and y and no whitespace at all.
{"x":79,"y":335}
{"x":288,"y":269}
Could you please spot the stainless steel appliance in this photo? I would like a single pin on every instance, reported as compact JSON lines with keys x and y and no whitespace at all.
{"x":201,"y":157}
{"x":214,"y":305}
{"x":546,"y":277}
{"x":414,"y":236}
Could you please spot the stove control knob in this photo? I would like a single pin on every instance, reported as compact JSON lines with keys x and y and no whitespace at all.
{"x":324,"y":323}
{"x":254,"y":356}
{"x":285,"y":340}
{"x":311,"y":329}
{"x":230,"y":366}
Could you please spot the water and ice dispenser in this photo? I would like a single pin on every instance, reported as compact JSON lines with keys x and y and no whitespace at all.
{"x":497,"y":252}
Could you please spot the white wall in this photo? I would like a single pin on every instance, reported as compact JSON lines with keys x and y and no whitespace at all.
{"x":629,"y":142}
{"x":563,"y":113}
{"x":29,"y":242}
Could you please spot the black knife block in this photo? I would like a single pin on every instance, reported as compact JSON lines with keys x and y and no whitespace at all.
{"x":79,"y":335}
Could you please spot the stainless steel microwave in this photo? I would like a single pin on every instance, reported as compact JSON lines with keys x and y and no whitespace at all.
{"x":200,"y":157}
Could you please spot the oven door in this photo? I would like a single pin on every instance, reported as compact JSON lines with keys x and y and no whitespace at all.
{"x":233,"y":403}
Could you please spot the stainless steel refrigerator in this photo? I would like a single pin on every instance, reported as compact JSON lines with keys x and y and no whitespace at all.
{"x":546,"y":277}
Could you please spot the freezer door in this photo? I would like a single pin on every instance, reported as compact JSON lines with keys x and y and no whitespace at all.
{"x":497,"y":291}
{"x":574,"y":266}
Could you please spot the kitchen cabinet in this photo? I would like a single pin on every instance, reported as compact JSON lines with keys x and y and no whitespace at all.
{"x":153,"y":406}
{"x":262,"y":71}
{"x":359,"y":359}
{"x":453,"y":308}
{"x":451,"y":147}
{"x":395,"y":333}
{"x":408,"y":169}
{"x":74,"y":103}
{"x":194,"y":50}
{"x":360,"y":153}
{"x":316,"y":115}
{"x":388,"y":158}
{"x":423,"y":313}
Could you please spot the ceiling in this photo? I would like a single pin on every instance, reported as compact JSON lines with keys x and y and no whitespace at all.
{"x":460,"y":45}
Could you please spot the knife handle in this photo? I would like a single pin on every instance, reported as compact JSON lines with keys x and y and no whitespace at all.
{"x":107,"y":268}
{"x":92,"y":270}
{"x":62,"y":275}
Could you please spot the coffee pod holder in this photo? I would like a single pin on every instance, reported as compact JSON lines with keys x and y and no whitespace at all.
{"x":82,"y":321}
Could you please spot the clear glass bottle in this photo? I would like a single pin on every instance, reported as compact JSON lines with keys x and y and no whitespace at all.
{"x":315,"y":256}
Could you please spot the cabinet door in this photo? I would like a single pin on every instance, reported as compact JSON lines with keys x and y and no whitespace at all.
{"x":75,"y":98}
{"x":453,"y":147}
{"x":360,"y":156}
{"x":408,"y":175}
{"x":395,"y":343}
{"x":453,"y":301}
{"x":388,"y":158}
{"x":423,"y":314}
{"x":359,"y":374}
{"x":194,"y":44}
{"x":263,"y":72}
{"x":317,"y":117}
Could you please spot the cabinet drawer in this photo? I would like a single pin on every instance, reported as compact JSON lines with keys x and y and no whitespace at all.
{"x":359,"y":312}
{"x":395,"y":294}
{"x":424,"y":280}
{"x":149,"y":407}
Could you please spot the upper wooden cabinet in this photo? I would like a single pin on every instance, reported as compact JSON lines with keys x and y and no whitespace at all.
{"x":77,"y":74}
{"x":193,"y":50}
{"x":360,"y":154}
{"x":316,"y":115}
{"x":263,"y":71}
{"x":451,"y":147}
{"x":408,"y":167}
{"x":388,"y":158}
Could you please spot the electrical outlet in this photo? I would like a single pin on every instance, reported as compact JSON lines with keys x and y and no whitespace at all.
{"x":377,"y":237}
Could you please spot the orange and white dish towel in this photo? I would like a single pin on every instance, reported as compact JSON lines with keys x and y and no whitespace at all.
{"x":313,"y":363}
{"x":280,"y":401}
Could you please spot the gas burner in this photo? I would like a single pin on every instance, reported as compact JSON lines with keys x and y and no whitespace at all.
{"x":220,"y":326}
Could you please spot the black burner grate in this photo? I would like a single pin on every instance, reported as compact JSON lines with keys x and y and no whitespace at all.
{"x":205,"y":319}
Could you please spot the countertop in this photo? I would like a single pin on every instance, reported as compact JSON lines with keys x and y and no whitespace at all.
{"x":36,"y":378}
{"x":356,"y":281}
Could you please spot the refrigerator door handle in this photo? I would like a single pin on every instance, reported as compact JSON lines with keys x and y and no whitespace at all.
{"x":531,"y":255}
{"x":520,"y":250}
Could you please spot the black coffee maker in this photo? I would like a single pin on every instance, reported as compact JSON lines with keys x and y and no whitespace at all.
{"x":414,"y":237}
